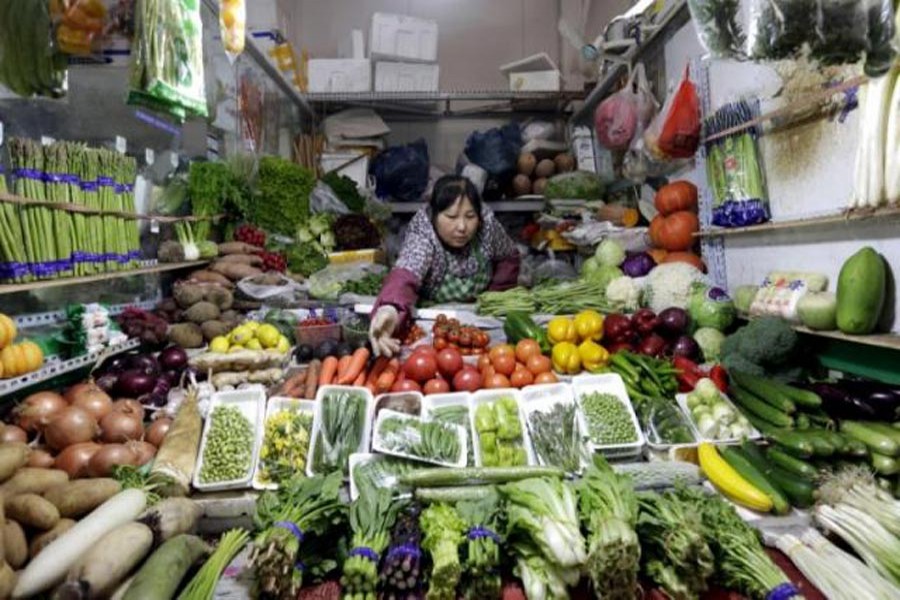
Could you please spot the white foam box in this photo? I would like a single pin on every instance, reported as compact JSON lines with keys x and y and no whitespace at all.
{"x":340,"y":75}
{"x":353,"y":46}
{"x":536,"y":73}
{"x":406,"y":77}
{"x":403,"y":38}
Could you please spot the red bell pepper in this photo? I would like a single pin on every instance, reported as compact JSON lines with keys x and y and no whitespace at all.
{"x":719,"y":376}
{"x":690,"y":373}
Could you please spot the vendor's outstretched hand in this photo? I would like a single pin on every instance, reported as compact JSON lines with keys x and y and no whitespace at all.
{"x":381,"y":332}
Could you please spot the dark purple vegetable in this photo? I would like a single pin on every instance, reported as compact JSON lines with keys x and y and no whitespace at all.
{"x":840,"y":404}
{"x":644,"y":321}
{"x":883,"y":399}
{"x":355,"y":232}
{"x":638,"y":264}
{"x":173,"y":357}
{"x":687,"y":347}
{"x":652,"y":345}
{"x":114,"y":364}
{"x":135,"y":383}
{"x":172,"y":377}
{"x":673,"y":322}
{"x":143,"y":362}
{"x":159,"y":394}
{"x":107,"y":382}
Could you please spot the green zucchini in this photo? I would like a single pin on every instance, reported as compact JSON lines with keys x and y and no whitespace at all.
{"x":797,"y":466}
{"x":855,"y":448}
{"x":800,"y":397}
{"x":748,"y":402}
{"x":441,"y":477}
{"x":800,"y":491}
{"x":822,"y":446}
{"x":832,"y":437}
{"x":741,"y":462}
{"x":801,"y":421}
{"x":459,"y":493}
{"x":884,"y":429}
{"x":875,"y":440}
{"x":884,"y":465}
{"x":819,"y":417}
{"x":791,"y":441}
{"x":762,"y":389}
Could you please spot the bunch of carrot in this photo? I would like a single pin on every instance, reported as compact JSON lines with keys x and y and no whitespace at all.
{"x":358,"y":369}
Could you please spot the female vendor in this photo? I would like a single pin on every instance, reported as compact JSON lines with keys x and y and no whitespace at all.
{"x":454,"y":249}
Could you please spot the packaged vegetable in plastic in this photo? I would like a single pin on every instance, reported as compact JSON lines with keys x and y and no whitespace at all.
{"x":718,"y":28}
{"x":675,"y":132}
{"x":841,"y":31}
{"x":780,"y":28}
{"x":79,"y":25}
{"x":624,"y":114}
{"x":233,"y":25}
{"x":576,"y":185}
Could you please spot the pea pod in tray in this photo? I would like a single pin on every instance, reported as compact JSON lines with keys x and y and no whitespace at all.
{"x":230,"y":442}
{"x":607,"y":415}
{"x":341,"y":426}
{"x":408,"y":436}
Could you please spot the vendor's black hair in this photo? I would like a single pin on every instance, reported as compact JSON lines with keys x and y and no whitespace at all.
{"x":448,"y":189}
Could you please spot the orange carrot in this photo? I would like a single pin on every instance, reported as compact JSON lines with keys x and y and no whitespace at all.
{"x":329,"y":369}
{"x":388,"y":376}
{"x":378,"y":368}
{"x":356,"y":365}
{"x":361,"y":380}
{"x":343,"y":365}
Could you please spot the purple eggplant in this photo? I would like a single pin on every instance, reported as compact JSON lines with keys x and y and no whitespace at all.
{"x":841,"y":404}
{"x":884,"y":399}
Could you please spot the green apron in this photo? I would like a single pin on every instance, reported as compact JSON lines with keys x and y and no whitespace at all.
{"x":461,"y":289}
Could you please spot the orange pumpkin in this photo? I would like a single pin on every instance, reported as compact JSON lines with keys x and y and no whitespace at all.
{"x":674,"y":232}
{"x":686,"y":257}
{"x":658,"y":255}
{"x":676,"y":196}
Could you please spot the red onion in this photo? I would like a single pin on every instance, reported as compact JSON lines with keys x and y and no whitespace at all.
{"x":119,"y":426}
{"x":74,"y":459}
{"x":157,"y":431}
{"x":40,"y":459}
{"x":173,"y":357}
{"x":108,"y":457}
{"x":145,"y":451}
{"x":135,"y":383}
{"x":12,"y":433}
{"x":92,"y":399}
{"x":70,"y":426}
{"x":38,"y":408}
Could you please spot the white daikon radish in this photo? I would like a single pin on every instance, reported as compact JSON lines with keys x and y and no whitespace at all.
{"x":50,"y":567}
{"x":892,"y":149}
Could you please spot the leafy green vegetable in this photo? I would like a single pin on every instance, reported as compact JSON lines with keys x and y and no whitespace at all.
{"x":305,"y":259}
{"x":283,"y":191}
{"x":346,"y":191}
{"x":210,"y":186}
{"x":577,"y":185}
{"x":482,"y":562}
{"x":371,"y":519}
{"x":370,"y":285}
{"x":443,"y":529}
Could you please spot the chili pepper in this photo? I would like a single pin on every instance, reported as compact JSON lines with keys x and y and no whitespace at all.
{"x":720,"y":377}
{"x":689,"y":373}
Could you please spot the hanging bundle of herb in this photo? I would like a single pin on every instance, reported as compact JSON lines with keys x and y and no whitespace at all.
{"x":780,"y":28}
{"x":718,"y":28}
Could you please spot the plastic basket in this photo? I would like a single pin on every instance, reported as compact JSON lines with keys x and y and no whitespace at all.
{"x":355,"y":329}
{"x":316,"y":334}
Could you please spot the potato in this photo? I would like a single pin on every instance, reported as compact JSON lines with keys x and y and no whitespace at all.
{"x":564,"y":163}
{"x":539,"y":186}
{"x":15,"y":544}
{"x":204,"y":276}
{"x":521,"y":185}
{"x":545,"y":168}
{"x":32,"y":510}
{"x":7,"y":580}
{"x":31,"y":480}
{"x":12,"y":457}
{"x":526,"y":163}
{"x":77,"y":498}
{"x":39,"y":542}
{"x":202,"y":312}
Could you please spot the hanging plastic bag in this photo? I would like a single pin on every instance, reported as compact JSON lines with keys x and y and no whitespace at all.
{"x":401,"y":172}
{"x":233,"y":26}
{"x":882,"y":30}
{"x":780,"y":28}
{"x":323,"y":200}
{"x":718,"y":27}
{"x":675,"y":132}
{"x":622,"y":116}
{"x":841,"y":31}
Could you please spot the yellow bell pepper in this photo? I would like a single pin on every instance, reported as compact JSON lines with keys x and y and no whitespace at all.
{"x":593,"y":356}
{"x":561,"y":329}
{"x":566,"y":359}
{"x":589,"y":325}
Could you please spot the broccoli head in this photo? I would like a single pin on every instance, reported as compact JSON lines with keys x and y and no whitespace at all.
{"x":767,"y":342}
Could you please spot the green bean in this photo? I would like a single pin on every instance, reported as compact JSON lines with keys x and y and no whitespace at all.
{"x":608,"y":420}
{"x":228,"y":452}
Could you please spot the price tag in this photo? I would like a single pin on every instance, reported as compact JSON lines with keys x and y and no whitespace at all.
{"x":154,"y":226}
{"x":149,"y":156}
{"x":121,"y":144}
{"x":46,"y":140}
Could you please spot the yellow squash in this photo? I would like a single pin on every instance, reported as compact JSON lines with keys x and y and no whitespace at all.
{"x":729,"y":482}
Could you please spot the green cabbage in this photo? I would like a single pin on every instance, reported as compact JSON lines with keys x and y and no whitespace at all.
{"x":710,"y":342}
{"x":577,"y":185}
{"x":592,"y":270}
{"x":711,"y":307}
{"x":818,"y":311}
{"x":610,"y":252}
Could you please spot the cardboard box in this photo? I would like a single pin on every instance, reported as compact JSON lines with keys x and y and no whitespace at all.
{"x":406,"y":77}
{"x":536,"y":73}
{"x":340,"y":75}
{"x":403,"y":38}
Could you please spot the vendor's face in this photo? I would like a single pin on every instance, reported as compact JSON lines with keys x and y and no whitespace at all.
{"x":456,"y":225}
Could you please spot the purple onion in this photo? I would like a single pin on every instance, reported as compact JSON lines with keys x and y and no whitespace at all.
{"x":107,"y":382}
{"x":134,"y":384}
{"x":173,"y":357}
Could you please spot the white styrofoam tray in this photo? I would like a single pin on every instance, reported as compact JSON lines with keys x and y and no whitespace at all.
{"x":682,"y":403}
{"x":250,"y":402}
{"x":378,"y":442}
{"x":434,"y":401}
{"x":541,"y":399}
{"x":483,"y":397}
{"x":321,"y":397}
{"x":275,"y":405}
{"x":608,"y":383}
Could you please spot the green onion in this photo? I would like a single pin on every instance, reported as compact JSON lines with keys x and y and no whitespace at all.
{"x":203,"y":585}
{"x":871,"y":540}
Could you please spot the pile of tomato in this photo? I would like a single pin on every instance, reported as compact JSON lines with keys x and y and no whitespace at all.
{"x":515,"y":366}
{"x":449,"y":333}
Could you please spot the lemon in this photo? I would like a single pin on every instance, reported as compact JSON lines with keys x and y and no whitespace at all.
{"x":241,"y":334}
{"x":253,"y":345}
{"x":252,"y":325}
{"x":283,"y":345}
{"x":268,"y":335}
{"x":219,"y":344}
{"x":235,"y":348}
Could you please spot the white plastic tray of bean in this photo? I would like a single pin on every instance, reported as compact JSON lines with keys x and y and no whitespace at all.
{"x":229,"y":447}
{"x":602,"y":419}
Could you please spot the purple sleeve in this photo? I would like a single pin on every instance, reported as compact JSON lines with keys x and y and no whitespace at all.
{"x":506,"y":273}
{"x":400,"y":290}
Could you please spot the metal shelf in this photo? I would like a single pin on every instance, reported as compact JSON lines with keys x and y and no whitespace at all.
{"x":55,"y":367}
{"x":850,"y":216}
{"x":50,"y":283}
{"x":58,"y":316}
{"x":672,"y":19}
{"x":507,"y":206}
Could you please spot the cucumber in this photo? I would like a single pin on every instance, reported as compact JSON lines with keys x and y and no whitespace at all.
{"x":442,"y":477}
{"x":822,"y":446}
{"x":747,"y":469}
{"x":801,"y":421}
{"x":875,"y":440}
{"x":884,"y":465}
{"x":884,"y":429}
{"x":800,"y":491}
{"x":819,"y":417}
{"x":832,"y":437}
{"x":800,"y":397}
{"x":660,"y":474}
{"x":861,"y":291}
{"x":855,"y":448}
{"x":460,"y":493}
{"x":762,"y":389}
{"x":791,"y":441}
{"x":797,"y":466}
{"x":748,"y":402}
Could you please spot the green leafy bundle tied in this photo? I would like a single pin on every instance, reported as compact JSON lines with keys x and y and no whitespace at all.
{"x":482,"y":562}
{"x":283,"y":191}
{"x":443,"y":529}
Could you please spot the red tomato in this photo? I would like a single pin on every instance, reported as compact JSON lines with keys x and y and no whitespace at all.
{"x":406,"y":385}
{"x":420,"y":366}
{"x":436,"y":386}
{"x":504,"y":364}
{"x":525,"y":349}
{"x":539,"y":364}
{"x":497,"y":381}
{"x":425,"y":348}
{"x":440,"y":343}
{"x":449,"y":362}
{"x":467,"y":380}
{"x":546,"y":377}
{"x":502,"y":350}
{"x":521,"y":378}
{"x":483,"y":361}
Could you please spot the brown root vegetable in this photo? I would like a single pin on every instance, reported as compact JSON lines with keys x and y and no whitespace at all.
{"x":41,"y":541}
{"x":171,"y":517}
{"x":129,"y":406}
{"x":109,"y":457}
{"x":91,"y":398}
{"x":526,"y":163}
{"x":213,"y":329}
{"x":188,"y":294}
{"x":205,"y":276}
{"x":238,"y":248}
{"x":37,"y":409}
{"x":29,"y":480}
{"x":231,"y":316}
{"x":545,"y":168}
{"x":77,"y":498}
{"x":74,"y":459}
{"x":564,"y":162}
{"x":40,"y":458}
{"x":32,"y":510}
{"x":521,"y":185}
{"x":12,"y":433}
{"x":186,"y":335}
{"x":539,"y":186}
{"x":120,"y":426}
{"x":12,"y":458}
{"x":15,"y":544}
{"x":253,"y":260}
{"x":201,"y":312}
{"x":235,"y":271}
{"x":8,"y":580}
{"x":222,"y":298}
{"x":102,"y":568}
{"x":70,"y":426}
{"x":170,"y":251}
